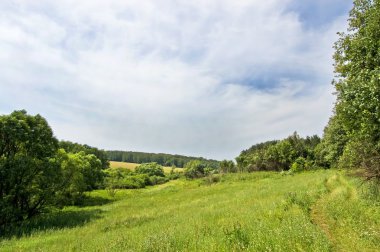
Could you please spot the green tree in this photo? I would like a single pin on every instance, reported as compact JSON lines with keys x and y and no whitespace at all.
{"x":357,"y":83}
{"x":330,"y":149}
{"x":29,"y":171}
{"x":75,"y":147}
{"x":194,"y":169}
{"x":151,"y":169}
{"x":80,"y":173}
{"x":227,"y":166}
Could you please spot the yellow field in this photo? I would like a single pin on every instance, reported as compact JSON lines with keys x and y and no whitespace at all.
{"x":132,"y":166}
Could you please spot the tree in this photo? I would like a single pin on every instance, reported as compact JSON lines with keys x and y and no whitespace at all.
{"x":80,"y":173}
{"x":29,"y":171}
{"x":357,"y":83}
{"x":194,"y":169}
{"x":227,"y":166}
{"x":151,"y":169}
{"x":329,"y":151}
{"x":75,"y":148}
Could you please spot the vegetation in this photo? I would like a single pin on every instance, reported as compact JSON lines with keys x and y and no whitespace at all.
{"x":29,"y":171}
{"x":75,"y":148}
{"x":43,"y":181}
{"x":159,"y":158}
{"x":322,"y":210}
{"x":280,"y":155}
{"x":35,"y":174}
{"x":132,"y":166}
{"x":352,"y":137}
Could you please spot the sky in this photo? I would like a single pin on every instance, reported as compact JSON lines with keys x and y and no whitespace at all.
{"x":202,"y":78}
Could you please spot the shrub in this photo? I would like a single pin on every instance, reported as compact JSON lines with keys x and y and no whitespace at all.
{"x":151,"y":169}
{"x":157,"y":180}
{"x":298,"y":165}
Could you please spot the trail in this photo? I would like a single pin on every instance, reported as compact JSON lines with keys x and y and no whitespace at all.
{"x":336,"y":186}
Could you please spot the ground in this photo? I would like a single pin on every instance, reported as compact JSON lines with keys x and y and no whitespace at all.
{"x":264,"y":211}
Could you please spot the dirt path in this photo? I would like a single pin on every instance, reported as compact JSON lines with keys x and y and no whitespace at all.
{"x":336,"y":187}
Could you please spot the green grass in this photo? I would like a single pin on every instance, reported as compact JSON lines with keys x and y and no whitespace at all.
{"x":311,"y":211}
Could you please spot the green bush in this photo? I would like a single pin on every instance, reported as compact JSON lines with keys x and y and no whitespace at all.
{"x":157,"y":180}
{"x":300,"y":164}
{"x":197,"y":169}
{"x":151,"y":169}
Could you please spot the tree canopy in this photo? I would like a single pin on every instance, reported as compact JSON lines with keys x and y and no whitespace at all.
{"x":29,"y":171}
{"x":357,"y":83}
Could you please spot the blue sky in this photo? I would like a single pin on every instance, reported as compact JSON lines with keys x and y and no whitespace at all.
{"x":204,"y":78}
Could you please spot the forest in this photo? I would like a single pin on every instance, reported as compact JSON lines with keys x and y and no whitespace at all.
{"x":159,"y":158}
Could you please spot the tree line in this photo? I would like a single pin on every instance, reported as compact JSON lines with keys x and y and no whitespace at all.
{"x":159,"y":158}
{"x":277,"y":155}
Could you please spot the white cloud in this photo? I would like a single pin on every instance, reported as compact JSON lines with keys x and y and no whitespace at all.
{"x":167,"y":76}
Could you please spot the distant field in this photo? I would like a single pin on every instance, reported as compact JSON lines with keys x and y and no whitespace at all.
{"x":132,"y":166}
{"x":322,"y":210}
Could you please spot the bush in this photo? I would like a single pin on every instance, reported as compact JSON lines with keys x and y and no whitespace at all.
{"x":157,"y":180}
{"x":196,"y":169}
{"x":300,"y":164}
{"x":151,"y":169}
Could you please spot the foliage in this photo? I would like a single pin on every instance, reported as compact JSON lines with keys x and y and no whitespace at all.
{"x":75,"y":148}
{"x":331,"y":148}
{"x":28,"y":168}
{"x":227,"y":166}
{"x":151,"y":169}
{"x":300,"y":164}
{"x":80,"y":173}
{"x":159,"y":158}
{"x":357,"y":83}
{"x":278,"y":155}
{"x":197,"y":169}
{"x":147,"y":174}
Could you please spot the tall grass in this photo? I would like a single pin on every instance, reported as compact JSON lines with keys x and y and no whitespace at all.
{"x":236,"y":212}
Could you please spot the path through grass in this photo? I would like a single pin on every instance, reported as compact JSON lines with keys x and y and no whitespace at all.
{"x":253,"y":212}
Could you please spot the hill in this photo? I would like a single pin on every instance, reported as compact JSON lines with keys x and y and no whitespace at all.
{"x":322,"y":210}
{"x":159,"y":158}
{"x":132,"y":166}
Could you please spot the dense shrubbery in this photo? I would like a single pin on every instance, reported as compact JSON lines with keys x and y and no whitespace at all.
{"x":279,"y":155}
{"x":151,"y":169}
{"x":197,"y":169}
{"x":144,"y":175}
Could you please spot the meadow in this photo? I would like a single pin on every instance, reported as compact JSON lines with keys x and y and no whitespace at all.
{"x":323,"y":210}
{"x":132,"y":166}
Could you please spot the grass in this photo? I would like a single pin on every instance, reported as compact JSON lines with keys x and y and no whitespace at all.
{"x":132,"y":166}
{"x":311,"y":211}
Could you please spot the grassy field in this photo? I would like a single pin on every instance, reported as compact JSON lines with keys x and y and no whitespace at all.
{"x":311,"y":211}
{"x":132,"y":166}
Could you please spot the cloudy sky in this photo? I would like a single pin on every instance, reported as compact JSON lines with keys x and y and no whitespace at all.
{"x":202,"y":77}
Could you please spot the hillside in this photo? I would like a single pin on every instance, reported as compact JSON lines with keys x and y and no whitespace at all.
{"x":132,"y":166}
{"x":159,"y":158}
{"x":321,"y":210}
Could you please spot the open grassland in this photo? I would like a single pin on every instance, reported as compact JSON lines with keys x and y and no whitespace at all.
{"x":311,"y":211}
{"x":132,"y":166}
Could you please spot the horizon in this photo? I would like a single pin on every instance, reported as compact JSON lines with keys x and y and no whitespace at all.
{"x":203,"y":79}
